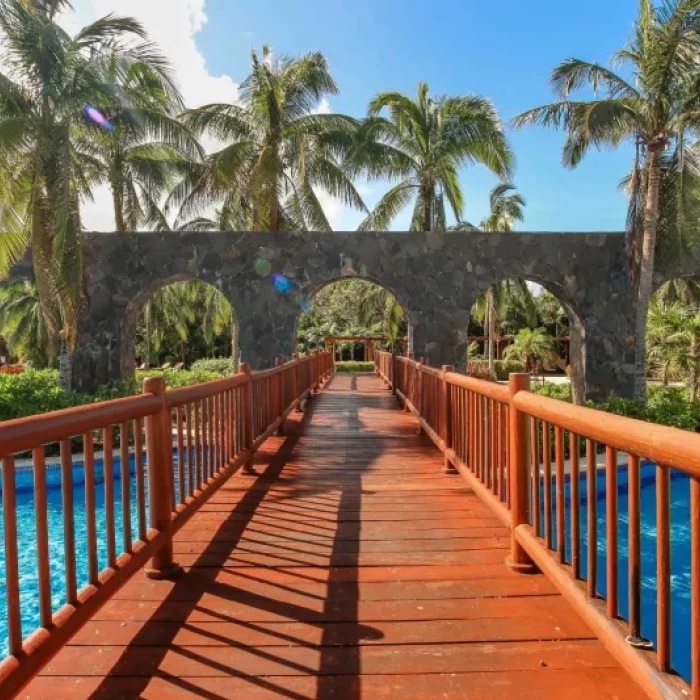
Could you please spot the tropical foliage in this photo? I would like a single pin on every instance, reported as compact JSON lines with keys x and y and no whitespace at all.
{"x":655,"y":110}
{"x":423,"y":142}
{"x":277,"y":153}
{"x":532,"y":348}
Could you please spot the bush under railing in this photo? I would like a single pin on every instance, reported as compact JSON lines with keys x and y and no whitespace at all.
{"x":504,"y":441}
{"x":214,"y":428}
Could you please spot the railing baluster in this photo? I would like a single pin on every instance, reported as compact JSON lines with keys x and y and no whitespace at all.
{"x":68,"y":520}
{"x":180,"y":455}
{"x":575,"y":493}
{"x":634,"y":548}
{"x":140,"y":475}
{"x":197,"y":448}
{"x":663,"y":569}
{"x":42,"y":532}
{"x":695,"y":585}
{"x":592,"y":516}
{"x":90,"y":509}
{"x":189,"y":417}
{"x":126,"y":485}
{"x":535,"y":459}
{"x":108,"y":469}
{"x":561,"y":521}
{"x":611,"y":515}
{"x":12,"y":598}
{"x":547,"y":464}
{"x":206,"y":422}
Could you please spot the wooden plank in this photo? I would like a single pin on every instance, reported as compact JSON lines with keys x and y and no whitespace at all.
{"x":525,"y":685}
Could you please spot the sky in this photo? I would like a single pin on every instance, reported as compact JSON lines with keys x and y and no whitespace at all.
{"x":501,"y":50}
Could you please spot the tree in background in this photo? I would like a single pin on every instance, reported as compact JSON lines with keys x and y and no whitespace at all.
{"x":532,"y":347}
{"x":423,"y":143}
{"x":505,"y":208}
{"x":22,"y":322}
{"x":351,"y":307}
{"x":659,"y":107}
{"x":48,"y":162}
{"x":278,"y":150}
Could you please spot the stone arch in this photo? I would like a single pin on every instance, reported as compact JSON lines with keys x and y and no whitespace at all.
{"x":309,"y":296}
{"x":134,"y":309}
{"x":577,"y":331}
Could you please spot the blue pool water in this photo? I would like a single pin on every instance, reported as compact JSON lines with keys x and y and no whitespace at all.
{"x":680,"y":547}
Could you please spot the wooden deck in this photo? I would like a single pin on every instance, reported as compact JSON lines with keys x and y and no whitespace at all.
{"x":351,"y":567}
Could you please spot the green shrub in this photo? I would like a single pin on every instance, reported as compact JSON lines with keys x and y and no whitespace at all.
{"x":354,"y":367}
{"x":480,"y":370}
{"x":552,"y":391}
{"x":222,"y":365}
{"x":503,"y":367}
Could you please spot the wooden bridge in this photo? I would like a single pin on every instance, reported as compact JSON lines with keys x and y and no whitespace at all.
{"x":360,"y":553}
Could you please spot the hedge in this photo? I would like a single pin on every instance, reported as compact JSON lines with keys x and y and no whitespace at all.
{"x":354,"y":367}
{"x":503,"y":368}
{"x":220,"y":365}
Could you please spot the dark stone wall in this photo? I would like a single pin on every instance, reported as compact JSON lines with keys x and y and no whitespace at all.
{"x":436,"y":277}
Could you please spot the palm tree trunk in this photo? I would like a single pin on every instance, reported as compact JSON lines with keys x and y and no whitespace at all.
{"x":274,"y":213}
{"x":118,"y":200}
{"x":65,"y":368}
{"x":147,"y":340}
{"x":646,"y":270}
{"x":664,"y":374}
{"x":491,"y":322}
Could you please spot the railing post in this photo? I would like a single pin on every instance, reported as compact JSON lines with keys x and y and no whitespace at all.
{"x":518,"y":433}
{"x":394,"y":372}
{"x":159,"y":447}
{"x":249,"y":428}
{"x":446,"y":411}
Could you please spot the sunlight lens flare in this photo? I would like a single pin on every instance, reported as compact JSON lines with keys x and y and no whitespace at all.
{"x":96,"y":116}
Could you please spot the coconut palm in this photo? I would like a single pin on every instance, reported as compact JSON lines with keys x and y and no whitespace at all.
{"x":687,"y":335}
{"x":423,"y":143}
{"x":659,"y":106}
{"x":22,"y":322}
{"x":218,"y":317}
{"x":532,"y":348}
{"x":505,"y":208}
{"x":145,"y":146}
{"x":278,"y":150}
{"x":46,"y":163}
{"x":664,"y":351}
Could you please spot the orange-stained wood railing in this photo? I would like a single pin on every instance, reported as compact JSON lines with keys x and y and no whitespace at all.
{"x":214,"y":429}
{"x":510,"y":446}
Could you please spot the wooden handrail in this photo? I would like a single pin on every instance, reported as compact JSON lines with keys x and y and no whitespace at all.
{"x":665,"y":445}
{"x":23,"y":434}
{"x":218,"y":427}
{"x":492,"y":390}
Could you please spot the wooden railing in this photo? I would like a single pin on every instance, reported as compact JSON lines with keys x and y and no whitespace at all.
{"x":212,"y":429}
{"x":504,"y":440}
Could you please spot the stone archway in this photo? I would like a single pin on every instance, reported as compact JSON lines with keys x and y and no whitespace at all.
{"x":437,"y":276}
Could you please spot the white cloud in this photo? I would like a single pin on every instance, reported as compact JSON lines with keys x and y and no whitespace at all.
{"x":173,"y":25}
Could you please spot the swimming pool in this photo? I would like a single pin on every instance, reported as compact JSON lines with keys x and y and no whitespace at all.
{"x":680,"y":546}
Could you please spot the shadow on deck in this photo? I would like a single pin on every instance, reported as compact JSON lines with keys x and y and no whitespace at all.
{"x":350,"y":567}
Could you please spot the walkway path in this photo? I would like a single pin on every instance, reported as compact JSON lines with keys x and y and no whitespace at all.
{"x":351,"y":567}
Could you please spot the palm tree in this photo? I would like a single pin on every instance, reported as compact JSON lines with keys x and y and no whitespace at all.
{"x":664,"y":351}
{"x":505,"y":207}
{"x":423,"y":143}
{"x":531,"y":347}
{"x":687,"y":333}
{"x":145,"y":146}
{"x":278,"y":150}
{"x":22,"y":322}
{"x":46,"y":164}
{"x":218,"y":318}
{"x":659,"y":106}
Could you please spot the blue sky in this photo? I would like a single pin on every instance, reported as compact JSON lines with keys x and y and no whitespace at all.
{"x":503,"y":50}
